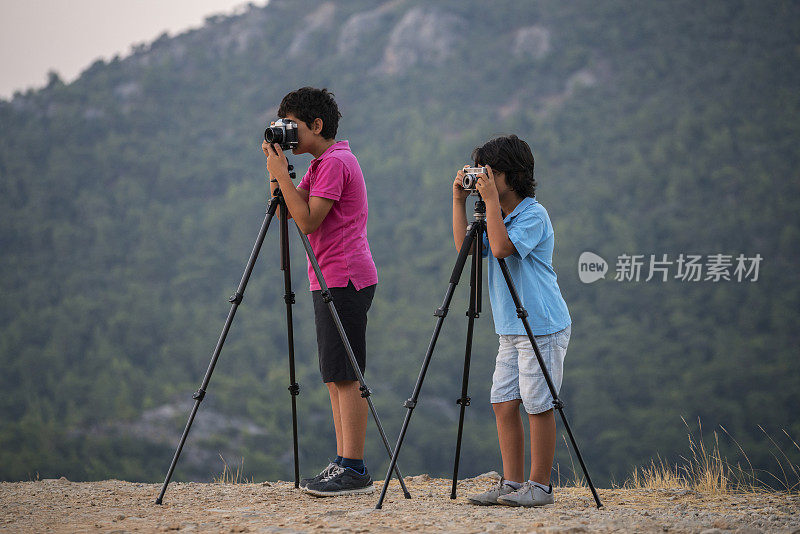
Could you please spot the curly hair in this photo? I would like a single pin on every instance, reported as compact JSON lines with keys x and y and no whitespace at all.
{"x":512,"y":156}
{"x":308,"y":104}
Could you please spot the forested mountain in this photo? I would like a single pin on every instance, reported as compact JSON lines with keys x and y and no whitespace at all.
{"x":131,"y":198}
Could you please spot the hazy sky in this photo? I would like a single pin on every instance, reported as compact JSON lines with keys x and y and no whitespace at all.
{"x":69,"y":35}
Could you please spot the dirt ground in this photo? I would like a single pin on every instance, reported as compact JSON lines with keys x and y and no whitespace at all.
{"x":118,"y":506}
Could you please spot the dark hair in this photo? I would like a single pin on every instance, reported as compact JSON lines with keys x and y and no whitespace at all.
{"x":512,"y":156}
{"x":308,"y":104}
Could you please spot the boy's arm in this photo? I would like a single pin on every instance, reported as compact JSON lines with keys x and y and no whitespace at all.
{"x":308,"y":212}
{"x":318,"y":208}
{"x":459,"y":212}
{"x":273,"y":185}
{"x":459,"y":223}
{"x":499,"y":242}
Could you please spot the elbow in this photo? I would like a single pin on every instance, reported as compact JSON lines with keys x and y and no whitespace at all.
{"x":308,"y":227}
{"x":503,"y":253}
{"x":306,"y":223}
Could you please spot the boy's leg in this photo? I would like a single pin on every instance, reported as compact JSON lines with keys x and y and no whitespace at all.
{"x":543,"y":445}
{"x":333,"y":391}
{"x":337,"y":425}
{"x":350,"y":476}
{"x":538,"y":401}
{"x":348,"y":407}
{"x":537,"y":398}
{"x":505,"y":399}
{"x":510,"y":436}
{"x":353,"y":419}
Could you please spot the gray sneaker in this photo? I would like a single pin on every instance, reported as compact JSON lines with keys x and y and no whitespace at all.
{"x":488,"y":498}
{"x":325,"y":472}
{"x":528,"y":495}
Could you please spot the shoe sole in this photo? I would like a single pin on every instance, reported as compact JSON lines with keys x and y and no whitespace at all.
{"x":356,"y":491}
{"x":481,"y":503}
{"x":515,"y":504}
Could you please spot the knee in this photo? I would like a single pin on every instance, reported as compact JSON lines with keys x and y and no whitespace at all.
{"x":506,"y":409}
{"x":547,"y":417}
{"x":543,"y":415}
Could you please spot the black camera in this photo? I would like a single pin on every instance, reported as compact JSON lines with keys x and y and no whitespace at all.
{"x":470,"y":179}
{"x":283,"y":132}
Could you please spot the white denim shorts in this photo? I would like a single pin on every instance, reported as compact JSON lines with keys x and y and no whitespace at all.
{"x":517,"y":374}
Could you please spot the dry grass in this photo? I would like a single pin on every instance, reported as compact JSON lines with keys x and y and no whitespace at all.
{"x":231,"y":476}
{"x":706,"y":470}
{"x":703,"y":470}
{"x":575,"y":478}
{"x":657,"y":475}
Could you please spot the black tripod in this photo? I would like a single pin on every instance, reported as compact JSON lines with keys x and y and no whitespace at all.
{"x":289,"y":297}
{"x":474,"y":236}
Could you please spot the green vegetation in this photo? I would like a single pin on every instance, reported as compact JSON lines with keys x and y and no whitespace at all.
{"x":130,"y":200}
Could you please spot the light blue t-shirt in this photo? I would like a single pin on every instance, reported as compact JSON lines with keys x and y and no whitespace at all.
{"x":531,"y":268}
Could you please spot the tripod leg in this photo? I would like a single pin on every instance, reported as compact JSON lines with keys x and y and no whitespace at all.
{"x":522,"y":313}
{"x":365,"y":391}
{"x":288,"y":297}
{"x":235,"y":300}
{"x":441,"y":313}
{"x":473,"y":313}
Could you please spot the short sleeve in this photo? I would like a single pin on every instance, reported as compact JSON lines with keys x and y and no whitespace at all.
{"x":329,"y":179}
{"x":305,"y":182}
{"x":526,"y":231}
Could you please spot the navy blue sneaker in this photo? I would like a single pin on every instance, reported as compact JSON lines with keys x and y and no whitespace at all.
{"x":341,"y":481}
{"x":325,"y":472}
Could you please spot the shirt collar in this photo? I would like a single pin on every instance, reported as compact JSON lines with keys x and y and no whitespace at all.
{"x":338,"y":145}
{"x":524,"y":203}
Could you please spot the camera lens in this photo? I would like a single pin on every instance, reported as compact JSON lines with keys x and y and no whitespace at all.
{"x":273,"y":135}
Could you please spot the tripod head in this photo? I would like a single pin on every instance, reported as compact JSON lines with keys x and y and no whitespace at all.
{"x":480,"y":210}
{"x":292,"y":175}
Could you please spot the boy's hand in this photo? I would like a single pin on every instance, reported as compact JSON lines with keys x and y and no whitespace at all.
{"x":459,"y":193}
{"x":277,"y":165}
{"x":486,"y":186}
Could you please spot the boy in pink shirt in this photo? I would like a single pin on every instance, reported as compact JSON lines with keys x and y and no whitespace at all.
{"x":330,"y":206}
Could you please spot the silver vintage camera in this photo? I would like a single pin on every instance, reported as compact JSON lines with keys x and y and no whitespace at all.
{"x":470,"y":179}
{"x":283,"y":132}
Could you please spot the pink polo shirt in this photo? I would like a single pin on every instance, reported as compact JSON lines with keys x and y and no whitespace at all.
{"x":340,"y":242}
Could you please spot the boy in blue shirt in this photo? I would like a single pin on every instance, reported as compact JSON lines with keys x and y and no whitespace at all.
{"x":519,"y":230}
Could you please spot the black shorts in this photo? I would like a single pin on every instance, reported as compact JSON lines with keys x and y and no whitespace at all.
{"x":352,"y":307}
